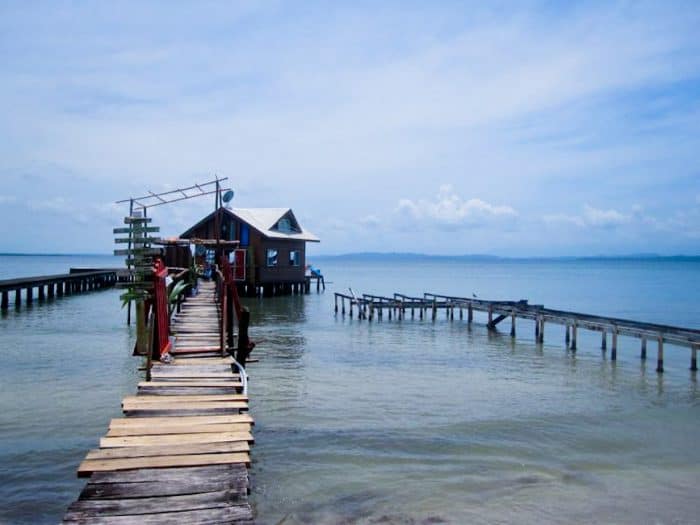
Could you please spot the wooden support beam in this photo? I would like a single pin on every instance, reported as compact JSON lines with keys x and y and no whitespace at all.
{"x":42,"y":292}
{"x":512,"y":323}
{"x":470,"y":313}
{"x":574,"y":329}
{"x":51,"y":290}
{"x":5,"y":300}
{"x":660,"y":355}
{"x":643,"y":354}
{"x":604,"y":341}
{"x":18,"y":298}
{"x":30,"y":295}
{"x":694,"y":358}
{"x":613,"y":350}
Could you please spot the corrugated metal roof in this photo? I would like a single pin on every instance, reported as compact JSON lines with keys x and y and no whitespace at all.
{"x":264,"y":219}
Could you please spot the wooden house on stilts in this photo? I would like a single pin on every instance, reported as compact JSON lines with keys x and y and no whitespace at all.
{"x":275,"y":245}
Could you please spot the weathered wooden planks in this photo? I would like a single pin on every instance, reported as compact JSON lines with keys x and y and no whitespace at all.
{"x":180,"y":455}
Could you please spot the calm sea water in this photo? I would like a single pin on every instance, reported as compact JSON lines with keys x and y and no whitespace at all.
{"x":397,"y":421}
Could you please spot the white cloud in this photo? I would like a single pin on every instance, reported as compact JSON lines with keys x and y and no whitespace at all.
{"x":594,"y":218}
{"x":450,"y":210}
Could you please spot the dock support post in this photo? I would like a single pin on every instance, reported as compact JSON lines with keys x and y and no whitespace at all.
{"x":490,"y":325}
{"x":5,"y":300}
{"x":660,"y":355}
{"x":542,"y":331}
{"x":18,"y":298}
{"x":51,"y":290}
{"x":567,"y":335}
{"x":694,"y":358}
{"x":574,"y":329}
{"x":470,"y":313}
{"x":512,"y":323}
{"x":420,"y":312}
{"x":342,"y":305}
{"x":30,"y":294}
{"x":42,"y":293}
{"x":371,"y":312}
{"x":59,"y":288}
{"x":452,"y":312}
{"x":434,"y":310}
{"x":461,"y":313}
{"x":643,"y":355}
{"x":613,"y":350}
{"x":604,"y":341}
{"x":537,"y":329}
{"x":336,"y":304}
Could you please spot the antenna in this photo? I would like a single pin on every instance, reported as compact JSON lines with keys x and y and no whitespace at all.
{"x":179,"y":194}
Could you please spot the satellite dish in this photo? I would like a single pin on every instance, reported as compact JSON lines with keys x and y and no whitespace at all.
{"x":228,"y":196}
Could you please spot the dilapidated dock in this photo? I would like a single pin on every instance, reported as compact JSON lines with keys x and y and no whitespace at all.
{"x":369,"y":307}
{"x":181,"y":453}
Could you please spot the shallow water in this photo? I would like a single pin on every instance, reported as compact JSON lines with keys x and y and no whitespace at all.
{"x":401,"y":421}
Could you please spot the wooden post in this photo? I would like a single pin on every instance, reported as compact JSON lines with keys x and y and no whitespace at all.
{"x":694,"y":358}
{"x":420,"y":313}
{"x":512,"y":323}
{"x":59,"y":288}
{"x":567,"y":335}
{"x":18,"y":298}
{"x":537,"y":329}
{"x":542,"y":330}
{"x":490,"y":323}
{"x":244,"y":347}
{"x":613,"y":350}
{"x":342,"y":305}
{"x":470,"y":313}
{"x":336,"y":303}
{"x":5,"y":300}
{"x":434,"y":310}
{"x":30,"y":294}
{"x":371,"y":311}
{"x":231,"y":315}
{"x":574,"y":328}
{"x":51,"y":290}
{"x":643,"y":355}
{"x":461,"y":313}
{"x":452,"y":312}
{"x":660,"y":355}
{"x":604,"y":341}
{"x":42,"y":293}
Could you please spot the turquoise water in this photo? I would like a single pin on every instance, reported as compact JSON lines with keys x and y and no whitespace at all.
{"x":394,"y":422}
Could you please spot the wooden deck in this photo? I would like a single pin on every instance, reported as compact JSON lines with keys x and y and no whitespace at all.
{"x":181,"y":453}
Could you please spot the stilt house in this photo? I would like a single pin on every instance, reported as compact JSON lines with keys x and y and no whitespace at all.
{"x":274,"y":240}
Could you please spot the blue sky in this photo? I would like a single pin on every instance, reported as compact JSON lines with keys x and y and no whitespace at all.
{"x":524,"y":128}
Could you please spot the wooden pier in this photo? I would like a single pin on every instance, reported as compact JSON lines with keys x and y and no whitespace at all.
{"x":51,"y":286}
{"x":181,"y":453}
{"x":398,"y":306}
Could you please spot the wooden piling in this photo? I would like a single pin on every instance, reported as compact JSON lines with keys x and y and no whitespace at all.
{"x":30,"y":294}
{"x":512,"y":323}
{"x":541,"y":340}
{"x":5,"y":303}
{"x":470,"y":313}
{"x":613,"y":350}
{"x":18,"y":298}
{"x":660,"y":355}
{"x":643,"y":354}
{"x":537,"y":329}
{"x":574,"y":329}
{"x":51,"y":287}
{"x":434,"y":310}
{"x":42,"y":293}
{"x":694,"y":358}
{"x":490,"y":324}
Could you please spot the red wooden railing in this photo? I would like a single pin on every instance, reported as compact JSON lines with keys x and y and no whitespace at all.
{"x":162,"y":343}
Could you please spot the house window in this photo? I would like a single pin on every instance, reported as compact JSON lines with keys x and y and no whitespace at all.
{"x":271,"y":257}
{"x":294,"y":258}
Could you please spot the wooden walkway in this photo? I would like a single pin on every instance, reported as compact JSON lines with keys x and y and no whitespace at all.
{"x":369,"y":306}
{"x":180,"y":454}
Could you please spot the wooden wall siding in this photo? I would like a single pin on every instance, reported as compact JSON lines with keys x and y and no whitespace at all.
{"x":258,"y":272}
